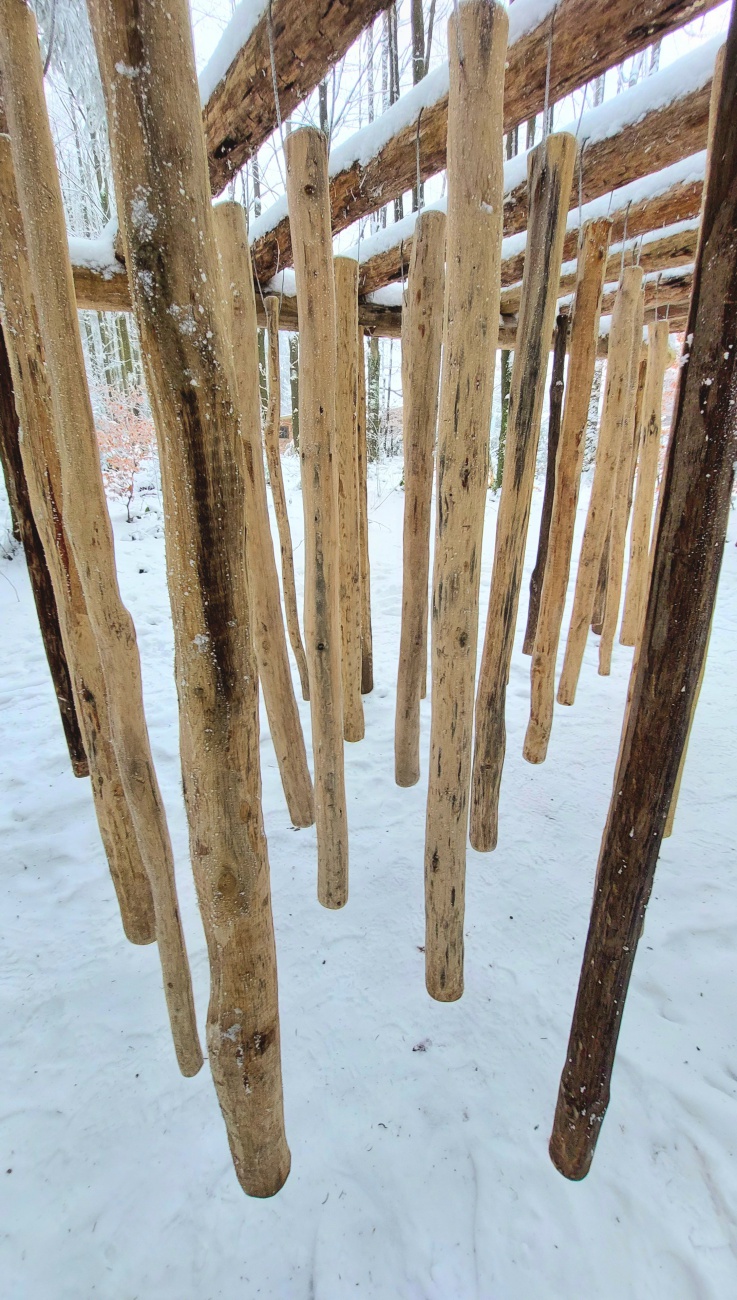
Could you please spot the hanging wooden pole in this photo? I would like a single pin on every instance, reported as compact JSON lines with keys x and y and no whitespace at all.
{"x":346,"y":415}
{"x":592,"y":258}
{"x":273,"y":460}
{"x":474,"y":233}
{"x":269,"y":640}
{"x":309,"y":214}
{"x":422,"y":336}
{"x":38,"y":569}
{"x":621,"y":500}
{"x":367,"y":643}
{"x":613,"y":420}
{"x":40,"y":457}
{"x":550,"y":176}
{"x":555,"y":411}
{"x":160,"y":173}
{"x":689,"y":544}
{"x":87,"y":521}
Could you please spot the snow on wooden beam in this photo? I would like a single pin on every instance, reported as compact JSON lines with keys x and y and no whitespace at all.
{"x":380,"y":162}
{"x":237,"y":84}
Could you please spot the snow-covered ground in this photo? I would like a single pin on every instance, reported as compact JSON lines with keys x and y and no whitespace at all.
{"x":418,"y":1131}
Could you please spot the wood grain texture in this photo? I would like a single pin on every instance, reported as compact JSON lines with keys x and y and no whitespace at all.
{"x":550,"y":177}
{"x":422,"y":337}
{"x":367,"y":640}
{"x":346,"y":419}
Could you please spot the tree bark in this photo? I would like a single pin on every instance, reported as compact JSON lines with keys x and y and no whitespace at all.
{"x":474,"y":234}
{"x":307,"y":196}
{"x":550,"y":168}
{"x":421,"y":343}
{"x":367,"y":642}
{"x":346,"y":418}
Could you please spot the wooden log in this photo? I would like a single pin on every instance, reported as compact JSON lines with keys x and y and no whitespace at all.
{"x":555,"y":411}
{"x":276,"y":478}
{"x":307,"y":193}
{"x":550,"y":177}
{"x":613,"y":418}
{"x":269,"y":640}
{"x":346,"y":417}
{"x":688,"y":552}
{"x":367,"y":641}
{"x":40,"y":457}
{"x":87,"y":521}
{"x":569,"y":462}
{"x":422,"y":337}
{"x":621,"y":500}
{"x":158,"y":151}
{"x":670,"y":819}
{"x":38,"y":570}
{"x":474,"y":234}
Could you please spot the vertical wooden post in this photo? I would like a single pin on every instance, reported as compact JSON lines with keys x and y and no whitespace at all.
{"x":422,"y":336}
{"x":161,"y":184}
{"x":555,"y":411}
{"x":621,"y":500}
{"x":550,"y":176}
{"x":367,"y":642}
{"x":269,"y":640}
{"x":592,"y":256}
{"x":346,"y":415}
{"x":38,"y":569}
{"x":470,"y":332}
{"x":40,"y":456}
{"x":87,"y":520}
{"x":689,"y":544}
{"x":613,"y":421}
{"x":273,"y":460}
{"x":309,"y":215}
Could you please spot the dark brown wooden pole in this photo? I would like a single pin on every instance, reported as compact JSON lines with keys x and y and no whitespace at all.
{"x":38,"y":571}
{"x":694,"y":509}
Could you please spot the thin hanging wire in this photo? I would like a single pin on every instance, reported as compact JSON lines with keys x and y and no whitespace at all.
{"x":273,"y":76}
{"x":624,"y":240}
{"x":546,"y":124}
{"x":417,"y":159}
{"x":580,"y":186}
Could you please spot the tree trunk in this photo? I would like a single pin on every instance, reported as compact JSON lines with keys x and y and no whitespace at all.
{"x":550,"y":175}
{"x":309,"y":214}
{"x":373,"y":415}
{"x":346,"y":417}
{"x":294,"y":393}
{"x":505,"y":389}
{"x":474,"y":234}
{"x":367,"y":643}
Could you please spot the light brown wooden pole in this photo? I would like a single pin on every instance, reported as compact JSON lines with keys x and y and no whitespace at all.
{"x":689,"y":545}
{"x":621,"y":500}
{"x":613,"y":419}
{"x":158,"y":151}
{"x":273,"y":460}
{"x":40,"y":455}
{"x":647,"y":473}
{"x":592,"y":258}
{"x":309,"y":214}
{"x":87,"y":520}
{"x":550,"y":176}
{"x":367,"y":641}
{"x":471,"y":320}
{"x":269,"y":639}
{"x":422,"y":337}
{"x":346,"y":415}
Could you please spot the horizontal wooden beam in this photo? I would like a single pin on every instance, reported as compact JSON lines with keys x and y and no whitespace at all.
{"x":588,"y":37}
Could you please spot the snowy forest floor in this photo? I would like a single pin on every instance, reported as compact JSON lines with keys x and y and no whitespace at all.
{"x":418,"y":1131}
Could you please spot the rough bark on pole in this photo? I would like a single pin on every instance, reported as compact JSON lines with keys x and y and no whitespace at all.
{"x":613,"y":420}
{"x":647,"y":473}
{"x":688,"y":550}
{"x":309,"y":214}
{"x":38,"y":568}
{"x":346,"y":417}
{"x":367,"y":642}
{"x":273,"y":460}
{"x":422,"y":336}
{"x":40,"y":456}
{"x":550,"y":172}
{"x":158,"y":151}
{"x":597,"y":613}
{"x":621,"y":500}
{"x":584,"y":334}
{"x":555,"y":409}
{"x":473,"y":252}
{"x":267,"y":625}
{"x":87,"y":520}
